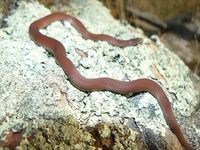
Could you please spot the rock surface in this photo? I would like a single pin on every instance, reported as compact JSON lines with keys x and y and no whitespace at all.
{"x":35,"y":89}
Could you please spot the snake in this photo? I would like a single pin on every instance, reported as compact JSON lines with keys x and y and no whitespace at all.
{"x":58,"y":51}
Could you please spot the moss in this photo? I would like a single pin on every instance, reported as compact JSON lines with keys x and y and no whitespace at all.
{"x":62,"y":135}
{"x":118,"y":137}
{"x":68,"y":134}
{"x":2,"y":7}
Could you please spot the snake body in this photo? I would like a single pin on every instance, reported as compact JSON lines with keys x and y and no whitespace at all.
{"x":96,"y":84}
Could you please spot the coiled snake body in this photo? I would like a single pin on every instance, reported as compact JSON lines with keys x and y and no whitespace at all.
{"x":95,"y":84}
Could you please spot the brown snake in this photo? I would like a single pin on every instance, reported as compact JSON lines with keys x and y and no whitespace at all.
{"x":96,"y":84}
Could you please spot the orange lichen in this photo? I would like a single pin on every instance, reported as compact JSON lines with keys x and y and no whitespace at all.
{"x":13,"y":139}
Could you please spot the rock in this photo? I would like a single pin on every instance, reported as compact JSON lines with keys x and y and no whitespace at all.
{"x":34,"y":89}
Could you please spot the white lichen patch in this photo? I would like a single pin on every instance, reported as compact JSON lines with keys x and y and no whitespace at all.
{"x":33,"y":86}
{"x":181,"y":85}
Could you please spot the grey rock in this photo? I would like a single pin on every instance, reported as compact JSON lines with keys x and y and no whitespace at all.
{"x":34,"y":88}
